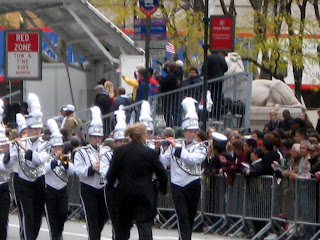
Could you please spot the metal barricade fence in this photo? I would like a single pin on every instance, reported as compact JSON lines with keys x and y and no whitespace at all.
{"x":231,"y":96}
{"x":74,"y":203}
{"x":213,"y":202}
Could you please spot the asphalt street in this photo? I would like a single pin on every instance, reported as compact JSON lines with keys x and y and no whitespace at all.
{"x":77,"y":230}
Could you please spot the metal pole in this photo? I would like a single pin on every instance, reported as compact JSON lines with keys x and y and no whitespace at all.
{"x":147,"y":52}
{"x":205,"y":47}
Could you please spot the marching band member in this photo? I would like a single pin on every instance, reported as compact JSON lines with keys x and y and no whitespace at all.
{"x":58,"y":169}
{"x":132,"y":166}
{"x":87,"y":168}
{"x":4,"y":178}
{"x":119,"y":140}
{"x":185,"y":166}
{"x":30,"y":156}
{"x":146,"y":119}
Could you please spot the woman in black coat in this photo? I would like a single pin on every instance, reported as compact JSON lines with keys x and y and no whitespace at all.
{"x":132,"y":166}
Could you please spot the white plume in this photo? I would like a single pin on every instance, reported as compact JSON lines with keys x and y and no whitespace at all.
{"x":53,"y":128}
{"x":34,"y":105}
{"x":121,"y":118}
{"x":96,"y":120}
{"x":145,"y":113}
{"x":189,"y":108}
{"x":21,"y":122}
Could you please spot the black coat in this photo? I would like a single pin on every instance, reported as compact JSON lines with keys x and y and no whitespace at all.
{"x":267,"y":160}
{"x":133,"y":165}
{"x":103,"y":101}
{"x":217,"y":66}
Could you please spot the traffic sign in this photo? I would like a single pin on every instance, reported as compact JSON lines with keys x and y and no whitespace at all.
{"x":22,"y":53}
{"x":222,"y":33}
{"x":148,"y":7}
{"x":158,"y":29}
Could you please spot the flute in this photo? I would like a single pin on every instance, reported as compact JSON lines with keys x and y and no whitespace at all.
{"x":22,"y":139}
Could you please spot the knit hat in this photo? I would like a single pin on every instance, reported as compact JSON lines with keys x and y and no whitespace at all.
{"x":145,"y":115}
{"x":34,"y":120}
{"x":56,"y":136}
{"x":95,"y":127}
{"x":190,"y":120}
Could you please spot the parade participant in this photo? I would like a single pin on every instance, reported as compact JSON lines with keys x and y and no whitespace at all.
{"x":4,"y":178}
{"x":119,"y":140}
{"x":185,"y":165}
{"x":87,"y":168}
{"x":132,"y":166}
{"x":29,"y":156}
{"x":146,"y":119}
{"x":58,"y":169}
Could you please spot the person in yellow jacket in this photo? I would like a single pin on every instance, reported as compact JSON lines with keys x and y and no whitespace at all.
{"x":134,"y":83}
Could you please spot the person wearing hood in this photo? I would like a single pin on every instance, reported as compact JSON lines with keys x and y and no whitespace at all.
{"x":103,"y":101}
{"x":193,"y":78}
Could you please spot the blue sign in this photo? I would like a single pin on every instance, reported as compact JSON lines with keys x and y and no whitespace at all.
{"x":154,"y":29}
{"x":148,"y":7}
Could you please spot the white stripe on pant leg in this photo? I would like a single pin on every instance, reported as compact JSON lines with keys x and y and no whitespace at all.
{"x":106,"y":203}
{"x":23,"y":221}
{"x":85,"y":215}
{"x":48,"y":221}
{"x":19,"y":214}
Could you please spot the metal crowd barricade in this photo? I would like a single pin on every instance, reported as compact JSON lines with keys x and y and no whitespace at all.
{"x":74,"y":203}
{"x":235,"y":211}
{"x":258,"y":201}
{"x":213,"y":202}
{"x":231,"y":96}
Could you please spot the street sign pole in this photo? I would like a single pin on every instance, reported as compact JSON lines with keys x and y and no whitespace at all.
{"x":148,"y":8}
{"x":147,"y":52}
{"x":205,"y":46}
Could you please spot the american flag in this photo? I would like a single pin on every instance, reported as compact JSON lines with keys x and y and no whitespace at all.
{"x":170,"y":48}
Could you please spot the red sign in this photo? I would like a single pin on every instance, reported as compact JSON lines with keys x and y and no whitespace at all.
{"x":222,"y":33}
{"x":22,"y":55}
{"x":148,"y":7}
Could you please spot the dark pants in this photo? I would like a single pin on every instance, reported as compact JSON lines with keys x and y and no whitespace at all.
{"x":30,"y":198}
{"x":113,"y":212}
{"x":21,"y":233}
{"x":186,"y":200}
{"x":216,"y":93}
{"x":134,"y":207}
{"x":5,"y":205}
{"x":56,"y":210}
{"x":95,"y":210}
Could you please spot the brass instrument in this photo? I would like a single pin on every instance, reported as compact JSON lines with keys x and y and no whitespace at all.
{"x":64,"y":159}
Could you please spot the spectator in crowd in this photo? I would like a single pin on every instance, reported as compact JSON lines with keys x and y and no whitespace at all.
{"x":286,"y":148}
{"x":217,"y":66}
{"x":134,"y":83}
{"x":318,"y":122}
{"x":300,"y":135}
{"x":60,"y":118}
{"x":152,"y":87}
{"x":249,"y":145}
{"x":273,"y":123}
{"x":101,"y":81}
{"x":314,"y":158}
{"x":180,"y":66}
{"x":293,"y":165}
{"x":122,"y":99}
{"x":304,"y":116}
{"x":219,"y":158}
{"x":270,"y":156}
{"x":171,"y":81}
{"x":103,"y":101}
{"x":296,"y":123}
{"x":255,"y":168}
{"x":304,"y":164}
{"x":72,"y":121}
{"x":285,"y":123}
{"x":193,"y":78}
{"x":108,"y":86}
{"x":240,"y":157}
{"x":258,"y":136}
